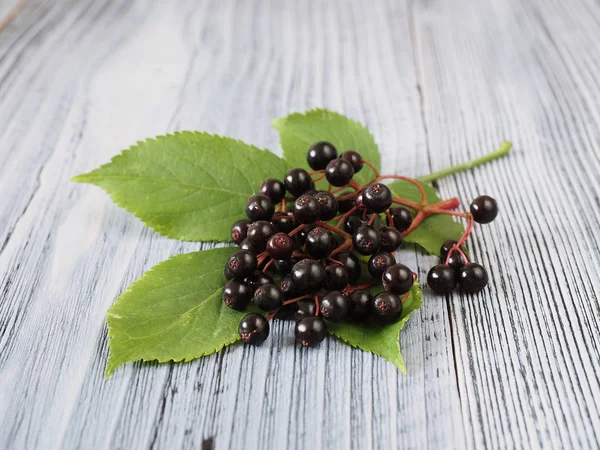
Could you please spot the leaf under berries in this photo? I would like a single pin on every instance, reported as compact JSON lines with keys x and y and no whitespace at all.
{"x":434,"y":230}
{"x":189,"y":185}
{"x":174,"y":312}
{"x":382,"y":341}
{"x":297,"y":132}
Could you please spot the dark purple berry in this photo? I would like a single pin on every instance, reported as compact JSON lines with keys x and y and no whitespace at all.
{"x":339,"y":172}
{"x":337,"y":277}
{"x":391,"y":239}
{"x":445,"y":248}
{"x":456,"y":261}
{"x":297,"y":182}
{"x":353,"y":158}
{"x":280,"y":246}
{"x":319,"y":242}
{"x":284,"y":266}
{"x":379,"y":262}
{"x":268,"y":297}
{"x":352,"y":265}
{"x":397,"y":279}
{"x":319,"y":154}
{"x":303,"y":233}
{"x":305,"y":308}
{"x":484,"y":209}
{"x":310,"y":331}
{"x":254,"y":329}
{"x":274,"y":189}
{"x":257,"y":279}
{"x":286,"y":286}
{"x":239,"y":230}
{"x":246,"y":245}
{"x":328,"y":205}
{"x":237,"y":294}
{"x":242,"y":264}
{"x":259,"y":233}
{"x":228,"y":273}
{"x":472,"y":278}
{"x":361,"y":305}
{"x":387,"y":307}
{"x":308,"y":276}
{"x":377,"y":197}
{"x":284,"y":223}
{"x":259,"y":207}
{"x":366,"y":240}
{"x":334,"y":306}
{"x":441,"y":279}
{"x":353,"y":223}
{"x":306,"y":209}
{"x":402,"y":218}
{"x":346,"y":204}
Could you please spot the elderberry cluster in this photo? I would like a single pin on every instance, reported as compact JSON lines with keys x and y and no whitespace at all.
{"x":315,"y":242}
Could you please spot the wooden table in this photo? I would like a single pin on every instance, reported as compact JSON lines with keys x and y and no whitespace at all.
{"x":437,"y":82}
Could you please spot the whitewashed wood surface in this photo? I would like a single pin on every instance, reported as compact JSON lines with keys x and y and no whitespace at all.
{"x":437,"y":82}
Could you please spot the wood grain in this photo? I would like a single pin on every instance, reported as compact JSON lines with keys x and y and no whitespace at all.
{"x":437,"y":83}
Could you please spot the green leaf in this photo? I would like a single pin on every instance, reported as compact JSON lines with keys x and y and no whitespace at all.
{"x":174,"y":312}
{"x":298,"y":132}
{"x":434,"y":230}
{"x":189,"y":185}
{"x":382,"y":341}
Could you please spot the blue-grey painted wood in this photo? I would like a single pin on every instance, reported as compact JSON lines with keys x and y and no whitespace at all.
{"x":437,"y":83}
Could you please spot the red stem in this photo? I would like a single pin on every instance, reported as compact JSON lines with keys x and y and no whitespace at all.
{"x":375,"y":171}
{"x":410,"y":180}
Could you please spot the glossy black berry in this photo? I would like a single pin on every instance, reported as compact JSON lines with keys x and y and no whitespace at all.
{"x":353,"y":223}
{"x":366,"y":240}
{"x":297,"y":182}
{"x":319,"y":242}
{"x":242,"y":264}
{"x":308,"y":276}
{"x":397,"y":279}
{"x":239,"y":230}
{"x":319,"y":154}
{"x":254,"y":329}
{"x":259,"y":233}
{"x":286,"y":286}
{"x":402,"y":218}
{"x":473,"y":278}
{"x":284,"y":266}
{"x":334,"y":306}
{"x":328,"y":205}
{"x":441,"y":279}
{"x":345,"y":204}
{"x":268,"y":297}
{"x":337,"y":277}
{"x":484,"y":209}
{"x":377,"y":197}
{"x":303,"y":233}
{"x":387,"y":307}
{"x":445,"y":248}
{"x":310,"y":331}
{"x":228,"y":273}
{"x":280,"y":246}
{"x":339,"y":172}
{"x":353,"y":158}
{"x":257,"y":279}
{"x":391,"y":239}
{"x":274,"y":189}
{"x":306,"y":209}
{"x":455,"y":261}
{"x":284,"y":223}
{"x":379,"y":262}
{"x":361,"y":305}
{"x":246,"y":245}
{"x":259,"y":207}
{"x":237,"y":294}
{"x":352,"y":265}
{"x":305,"y":308}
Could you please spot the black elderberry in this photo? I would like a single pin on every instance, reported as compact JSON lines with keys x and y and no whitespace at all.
{"x":286,"y":286}
{"x":397,"y":279}
{"x":237,"y":294}
{"x":257,"y":279}
{"x":441,"y":279}
{"x":268,"y":297}
{"x":345,"y":204}
{"x":305,"y":308}
{"x":379,"y":262}
{"x":319,"y":154}
{"x":473,"y":278}
{"x":339,"y":172}
{"x":361,"y":305}
{"x":280,"y":246}
{"x":259,"y":233}
{"x":402,"y":218}
{"x":391,"y":239}
{"x":377,"y":197}
{"x":337,"y":277}
{"x":366,"y":240}
{"x":352,"y":265}
{"x":387,"y":307}
{"x":328,"y":205}
{"x":319,"y":242}
{"x":297,"y":182}
{"x":484,"y":209}
{"x":253,"y":329}
{"x":308,"y":276}
{"x":284,"y":223}
{"x":239,"y":230}
{"x":455,"y":261}
{"x":284,"y":266}
{"x":242,"y":264}
{"x":259,"y":207}
{"x":246,"y":245}
{"x":228,"y":273}
{"x":353,"y":158}
{"x":445,"y":248}
{"x":353,"y":223}
{"x":274,"y":189}
{"x":306,"y":209}
{"x":334,"y":306}
{"x":310,"y":331}
{"x":303,"y":233}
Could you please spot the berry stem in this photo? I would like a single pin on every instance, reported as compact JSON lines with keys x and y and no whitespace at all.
{"x":271,"y":315}
{"x":294,"y":300}
{"x":389,"y":218}
{"x":298,"y":229}
{"x":416,"y":222}
{"x":318,"y":178}
{"x":372,"y":219}
{"x":317,"y":306}
{"x":403,"y":299}
{"x":410,"y":180}
{"x":334,"y":229}
{"x":283,"y":206}
{"x":267,"y":265}
{"x":354,"y":185}
{"x":462,"y":241}
{"x":375,"y":171}
{"x":408,"y":203}
{"x":345,"y":216}
{"x":347,"y":244}
{"x":366,"y":285}
{"x":315,"y":172}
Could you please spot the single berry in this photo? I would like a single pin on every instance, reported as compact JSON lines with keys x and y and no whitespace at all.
{"x":391,"y":239}
{"x":280,"y":246}
{"x":473,"y":278}
{"x":366,"y":240}
{"x":359,"y":200}
{"x":274,"y":189}
{"x":308,"y":276}
{"x":242,"y":264}
{"x":484,"y":209}
{"x":237,"y":294}
{"x":310,"y":331}
{"x":268,"y":297}
{"x":402,"y":218}
{"x":352,"y":265}
{"x":337,"y":277}
{"x":297,"y":182}
{"x":306,"y":209}
{"x":239,"y":230}
{"x":284,"y":223}
{"x":353,"y":158}
{"x":335,"y":306}
{"x":253,"y":329}
{"x":259,"y":207}
{"x":259,"y":233}
{"x":228,"y":273}
{"x":377,"y":197}
{"x":284,"y":266}
{"x":303,"y":233}
{"x":305,"y":308}
{"x":328,"y":205}
{"x":257,"y":279}
{"x":286,"y":286}
{"x":455,"y":261}
{"x":445,"y":248}
{"x":387,"y":307}
{"x":353,"y":223}
{"x":361,"y":305}
{"x":339,"y":172}
{"x":397,"y":279}
{"x":319,"y":154}
{"x":346,"y":204}
{"x":379,"y":262}
{"x":319,"y":242}
{"x":441,"y":279}
{"x":246,"y":245}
